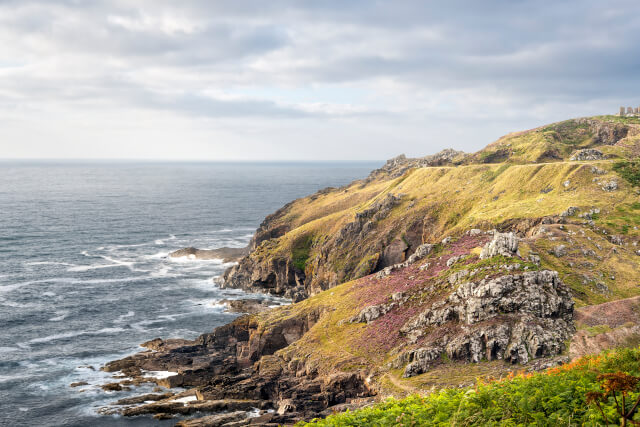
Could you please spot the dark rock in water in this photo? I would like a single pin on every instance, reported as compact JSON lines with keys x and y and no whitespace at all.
{"x":249,"y":306}
{"x":158,"y":344}
{"x":163,"y":416}
{"x":78,"y":384}
{"x":143,"y":398}
{"x":113,"y":387}
{"x":235,"y":368}
{"x":225,"y":254}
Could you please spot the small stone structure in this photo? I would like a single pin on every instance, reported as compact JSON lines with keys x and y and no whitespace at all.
{"x":629,"y":111}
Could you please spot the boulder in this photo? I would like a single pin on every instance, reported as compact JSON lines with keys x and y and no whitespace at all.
{"x":587,"y":154}
{"x":512,"y":317}
{"x":505,"y":244}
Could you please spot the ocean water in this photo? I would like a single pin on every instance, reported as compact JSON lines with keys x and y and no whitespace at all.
{"x":85,"y":276}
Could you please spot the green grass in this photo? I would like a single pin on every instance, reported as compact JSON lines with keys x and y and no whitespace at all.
{"x":300,"y":252}
{"x":556,"y":397}
{"x":629,"y":170}
{"x":618,"y":119}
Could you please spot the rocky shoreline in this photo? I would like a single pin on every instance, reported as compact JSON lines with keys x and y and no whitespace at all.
{"x":234,"y":369}
{"x":239,"y":367}
{"x":429,"y":273}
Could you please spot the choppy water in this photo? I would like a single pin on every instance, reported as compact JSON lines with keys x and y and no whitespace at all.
{"x":84,"y":272}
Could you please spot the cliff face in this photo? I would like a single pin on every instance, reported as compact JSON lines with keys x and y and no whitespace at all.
{"x":430,"y":272}
{"x":336,"y":235}
{"x":442,"y":306}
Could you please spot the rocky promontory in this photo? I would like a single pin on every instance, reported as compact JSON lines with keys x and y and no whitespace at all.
{"x":429,"y":273}
{"x":225,"y":254}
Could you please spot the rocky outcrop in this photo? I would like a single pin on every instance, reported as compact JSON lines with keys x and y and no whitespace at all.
{"x":605,"y":133}
{"x":249,"y":306}
{"x":505,"y":244}
{"x":279,"y":275}
{"x":235,"y":368}
{"x":587,"y":154}
{"x":225,"y":254}
{"x":400,"y":164}
{"x":514,"y":317}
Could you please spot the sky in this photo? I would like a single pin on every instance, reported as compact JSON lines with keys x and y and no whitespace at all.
{"x":303,"y":80}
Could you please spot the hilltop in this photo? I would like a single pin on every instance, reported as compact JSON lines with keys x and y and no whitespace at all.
{"x":428,"y":273}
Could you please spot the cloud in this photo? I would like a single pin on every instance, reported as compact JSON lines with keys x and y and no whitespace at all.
{"x":409,"y":76}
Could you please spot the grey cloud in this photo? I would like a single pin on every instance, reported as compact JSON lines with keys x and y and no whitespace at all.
{"x":525,"y":54}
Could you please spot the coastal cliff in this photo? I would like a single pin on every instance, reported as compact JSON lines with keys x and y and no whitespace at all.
{"x":429,"y":273}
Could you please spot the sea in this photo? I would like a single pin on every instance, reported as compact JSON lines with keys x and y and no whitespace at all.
{"x":85,"y":275}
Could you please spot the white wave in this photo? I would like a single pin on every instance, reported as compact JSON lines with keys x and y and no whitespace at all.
{"x":56,"y":337}
{"x":81,"y":268}
{"x":185,"y":399}
{"x":14,"y":286}
{"x":60,"y":315}
{"x":49,"y":263}
{"x":159,"y":242}
{"x":15,"y":304}
{"x":158,"y":255}
{"x":159,"y":374}
{"x":193,"y":259}
{"x":122,"y":317}
{"x":116,"y":263}
{"x":9,"y":288}
{"x":163,"y":272}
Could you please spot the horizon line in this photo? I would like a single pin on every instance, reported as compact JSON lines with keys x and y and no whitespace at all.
{"x":150,"y":160}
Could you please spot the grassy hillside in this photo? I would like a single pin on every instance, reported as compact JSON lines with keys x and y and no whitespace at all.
{"x":437,"y":202}
{"x":559,"y":283}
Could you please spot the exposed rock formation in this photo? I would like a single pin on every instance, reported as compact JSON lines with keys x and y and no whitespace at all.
{"x":400,"y":164}
{"x":249,"y":306}
{"x":237,"y":361}
{"x":280,"y":276}
{"x":514,"y":317}
{"x":225,"y":254}
{"x":605,"y":133}
{"x":505,"y":244}
{"x":587,"y":154}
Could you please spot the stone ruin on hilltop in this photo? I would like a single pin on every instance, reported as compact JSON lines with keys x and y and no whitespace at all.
{"x":629,"y":111}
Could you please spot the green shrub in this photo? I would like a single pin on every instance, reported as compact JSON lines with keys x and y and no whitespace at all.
{"x":300,"y":252}
{"x":557,"y":397}
{"x":630,"y":171}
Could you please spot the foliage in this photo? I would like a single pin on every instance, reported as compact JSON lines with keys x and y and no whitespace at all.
{"x":300,"y":252}
{"x":630,"y":171}
{"x":560,"y":396}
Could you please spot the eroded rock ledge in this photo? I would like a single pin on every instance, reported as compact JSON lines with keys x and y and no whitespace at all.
{"x":513,"y":317}
{"x":236,"y":363}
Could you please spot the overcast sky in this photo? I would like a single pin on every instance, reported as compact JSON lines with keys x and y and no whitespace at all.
{"x":270,"y":79}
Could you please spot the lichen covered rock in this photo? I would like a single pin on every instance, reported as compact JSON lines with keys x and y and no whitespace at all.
{"x":513,"y":317}
{"x":505,"y":244}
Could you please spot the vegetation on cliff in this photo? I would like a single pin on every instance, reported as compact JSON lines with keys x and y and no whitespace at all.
{"x":560,"y":396}
{"x":439,"y":272}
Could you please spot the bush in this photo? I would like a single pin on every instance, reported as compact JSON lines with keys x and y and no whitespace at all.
{"x":557,"y":397}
